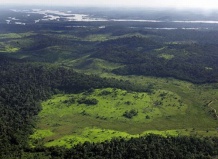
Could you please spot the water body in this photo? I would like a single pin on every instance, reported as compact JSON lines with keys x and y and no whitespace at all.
{"x":69,"y":16}
{"x":152,"y":28}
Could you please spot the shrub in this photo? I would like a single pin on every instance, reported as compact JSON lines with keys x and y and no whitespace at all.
{"x":92,"y":101}
{"x":131,"y":113}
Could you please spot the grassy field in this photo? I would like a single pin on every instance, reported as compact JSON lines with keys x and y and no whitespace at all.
{"x":7,"y":48}
{"x":69,"y":119}
{"x":13,"y":42}
{"x":15,"y":35}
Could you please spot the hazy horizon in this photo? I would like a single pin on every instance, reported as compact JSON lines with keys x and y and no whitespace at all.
{"x":181,"y":4}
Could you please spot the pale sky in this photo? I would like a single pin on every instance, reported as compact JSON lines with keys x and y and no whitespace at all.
{"x":205,"y":4}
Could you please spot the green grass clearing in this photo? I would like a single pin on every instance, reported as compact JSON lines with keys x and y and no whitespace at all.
{"x":166,"y":56}
{"x":73,"y":120}
{"x":8,"y":48}
{"x":15,"y":35}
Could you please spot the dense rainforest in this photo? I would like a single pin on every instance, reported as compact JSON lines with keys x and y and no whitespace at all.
{"x":39,"y":61}
{"x":152,"y":146}
{"x":141,"y":56}
{"x":185,"y":55}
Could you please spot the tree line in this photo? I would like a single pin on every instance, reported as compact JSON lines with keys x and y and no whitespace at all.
{"x":148,"y":147}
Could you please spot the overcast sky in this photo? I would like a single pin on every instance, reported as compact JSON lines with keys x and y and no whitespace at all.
{"x":205,"y":4}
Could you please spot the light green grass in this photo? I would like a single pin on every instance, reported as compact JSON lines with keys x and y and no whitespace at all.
{"x":112,"y":106}
{"x":91,"y":65}
{"x":72,"y":123}
{"x":41,"y":134}
{"x":97,"y":37}
{"x":13,"y":42}
{"x":6,"y":48}
{"x":38,"y":137}
{"x":166,"y":56}
{"x":15,"y":35}
{"x":170,"y":113}
{"x":95,"y":135}
{"x":10,"y":35}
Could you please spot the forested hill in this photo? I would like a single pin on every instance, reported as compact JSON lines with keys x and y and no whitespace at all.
{"x":188,"y":61}
{"x":185,"y":54}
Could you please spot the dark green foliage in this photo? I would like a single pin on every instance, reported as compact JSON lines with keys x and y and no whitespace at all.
{"x":128,"y":102}
{"x":128,"y":50}
{"x":69,"y":101}
{"x":147,"y":117}
{"x":191,"y":61}
{"x":138,"y":50}
{"x":104,"y":93}
{"x":132,"y":43}
{"x":152,"y":146}
{"x":140,"y":57}
{"x":130,"y":114}
{"x":87,"y":101}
